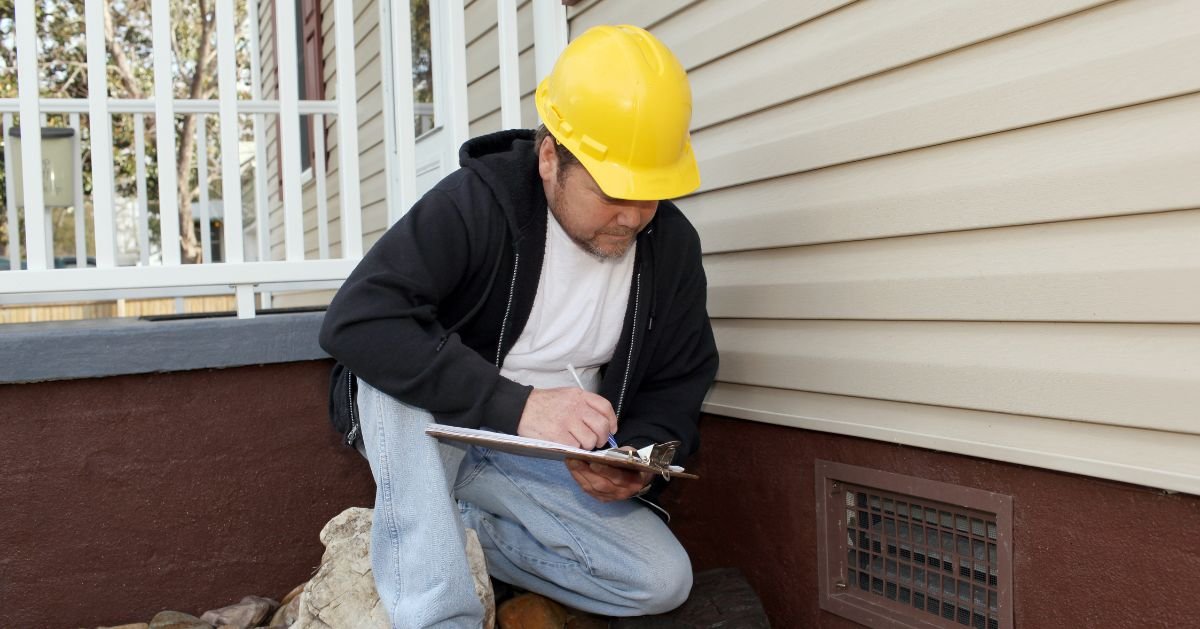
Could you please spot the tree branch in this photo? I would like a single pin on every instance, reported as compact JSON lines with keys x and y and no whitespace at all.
{"x":120,"y":61}
{"x":191,"y":247}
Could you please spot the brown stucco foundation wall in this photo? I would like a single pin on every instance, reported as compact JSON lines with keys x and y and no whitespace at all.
{"x":128,"y":495}
{"x":1087,"y":552}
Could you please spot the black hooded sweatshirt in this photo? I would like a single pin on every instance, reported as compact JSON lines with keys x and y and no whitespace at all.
{"x":432,"y":309}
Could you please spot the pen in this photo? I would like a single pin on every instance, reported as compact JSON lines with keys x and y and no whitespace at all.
{"x":612,"y":441}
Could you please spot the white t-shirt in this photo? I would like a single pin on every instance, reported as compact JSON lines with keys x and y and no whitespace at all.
{"x":576,"y":318}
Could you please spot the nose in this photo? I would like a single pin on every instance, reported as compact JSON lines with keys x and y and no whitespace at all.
{"x":631,"y":213}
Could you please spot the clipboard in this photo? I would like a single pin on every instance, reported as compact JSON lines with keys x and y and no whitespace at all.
{"x":654,"y":459}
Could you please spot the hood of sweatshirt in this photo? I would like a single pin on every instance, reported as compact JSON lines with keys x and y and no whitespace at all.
{"x":507,"y":164}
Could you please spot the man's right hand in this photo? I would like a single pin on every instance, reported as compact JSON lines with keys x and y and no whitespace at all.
{"x":568,"y":415}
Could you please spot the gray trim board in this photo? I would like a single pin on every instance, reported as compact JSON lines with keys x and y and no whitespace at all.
{"x":33,"y":352}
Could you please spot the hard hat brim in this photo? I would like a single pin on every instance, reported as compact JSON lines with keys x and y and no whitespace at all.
{"x":622,"y":182}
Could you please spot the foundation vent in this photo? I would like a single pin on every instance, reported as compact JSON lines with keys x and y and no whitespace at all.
{"x":901,"y":551}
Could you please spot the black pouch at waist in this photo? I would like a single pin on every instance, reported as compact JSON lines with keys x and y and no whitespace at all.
{"x":343,"y":404}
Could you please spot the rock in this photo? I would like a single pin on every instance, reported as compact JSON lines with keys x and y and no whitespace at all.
{"x":287,"y":598}
{"x":289,"y":613}
{"x":534,"y":611}
{"x":136,"y":625}
{"x":251,"y":611}
{"x":289,"y":608}
{"x":483,"y":583}
{"x":531,"y":611}
{"x":719,"y":598}
{"x":581,"y":620}
{"x":342,"y":592}
{"x":177,"y":620}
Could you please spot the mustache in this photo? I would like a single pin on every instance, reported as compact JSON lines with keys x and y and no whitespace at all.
{"x":623,"y":232}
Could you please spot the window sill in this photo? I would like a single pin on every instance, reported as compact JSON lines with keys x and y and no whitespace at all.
{"x":428,"y":133}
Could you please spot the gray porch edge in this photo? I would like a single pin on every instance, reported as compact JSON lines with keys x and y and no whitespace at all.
{"x":35,"y":352}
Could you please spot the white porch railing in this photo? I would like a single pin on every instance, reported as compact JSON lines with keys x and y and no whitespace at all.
{"x":40,"y":281}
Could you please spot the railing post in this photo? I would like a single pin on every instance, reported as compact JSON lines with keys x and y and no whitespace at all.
{"x":317,"y":124}
{"x":289,"y":128}
{"x":31,"y":137}
{"x":80,"y":211}
{"x":458,"y":122}
{"x":549,"y":34}
{"x":262,"y":217}
{"x":349,"y":196}
{"x":398,"y":116}
{"x":231,"y":173}
{"x":10,"y":200}
{"x":164,"y":126}
{"x":101,"y":138}
{"x":205,"y":214}
{"x":245,"y":301}
{"x":143,"y":197}
{"x":510,"y":75}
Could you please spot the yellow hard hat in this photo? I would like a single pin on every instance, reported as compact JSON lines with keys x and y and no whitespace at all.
{"x":619,"y":100}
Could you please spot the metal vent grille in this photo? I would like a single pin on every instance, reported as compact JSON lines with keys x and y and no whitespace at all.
{"x":909,"y":552}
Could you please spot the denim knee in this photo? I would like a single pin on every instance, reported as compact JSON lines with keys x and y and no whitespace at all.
{"x":665,"y":581}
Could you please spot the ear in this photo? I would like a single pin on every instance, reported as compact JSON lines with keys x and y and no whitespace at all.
{"x":547,"y":160}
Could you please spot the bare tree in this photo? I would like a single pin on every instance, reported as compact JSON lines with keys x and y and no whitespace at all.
{"x":127,"y":36}
{"x":192,"y":44}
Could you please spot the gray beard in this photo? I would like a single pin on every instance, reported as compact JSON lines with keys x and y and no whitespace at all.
{"x":589,"y":246}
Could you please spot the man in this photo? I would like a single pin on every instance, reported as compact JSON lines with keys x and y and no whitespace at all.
{"x":544,"y":250}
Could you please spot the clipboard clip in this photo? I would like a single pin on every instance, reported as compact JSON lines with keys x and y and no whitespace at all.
{"x":658,"y":457}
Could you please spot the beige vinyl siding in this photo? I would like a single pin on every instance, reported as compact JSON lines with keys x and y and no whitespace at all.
{"x":973,"y":227}
{"x":370,"y":139}
{"x":483,"y":65}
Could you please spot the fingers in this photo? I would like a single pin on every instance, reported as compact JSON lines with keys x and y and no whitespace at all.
{"x":605,"y":482}
{"x":597,"y":428}
{"x":584,"y":435}
{"x":568,"y":415}
{"x":601,"y":405}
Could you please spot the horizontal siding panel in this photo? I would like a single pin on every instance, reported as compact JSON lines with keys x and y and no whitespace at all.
{"x":638,"y":12}
{"x":491,"y":122}
{"x":370,"y":125}
{"x":1128,"y":269}
{"x":1136,"y":159}
{"x":483,"y":96}
{"x":373,"y":187}
{"x":863,"y":39}
{"x":478,"y":17}
{"x":581,"y":7}
{"x":1156,"y":459}
{"x":483,"y":54}
{"x":710,"y":30}
{"x":1118,"y":55}
{"x":366,"y":42}
{"x":1135,"y":375}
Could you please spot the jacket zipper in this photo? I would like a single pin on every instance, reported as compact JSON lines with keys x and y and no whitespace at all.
{"x":512,"y":289}
{"x":352,"y":435}
{"x":637,"y":298}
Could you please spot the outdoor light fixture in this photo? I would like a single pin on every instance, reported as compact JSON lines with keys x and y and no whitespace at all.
{"x":58,"y":166}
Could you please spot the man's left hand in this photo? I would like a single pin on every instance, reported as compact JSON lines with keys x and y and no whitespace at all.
{"x":607,"y":483}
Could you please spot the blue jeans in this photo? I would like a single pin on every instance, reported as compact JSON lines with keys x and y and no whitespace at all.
{"x":538,"y":529}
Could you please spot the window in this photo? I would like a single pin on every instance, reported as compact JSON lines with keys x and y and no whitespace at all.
{"x":310,"y":79}
{"x":900,"y":551}
{"x":310,"y":73}
{"x":422,"y":67}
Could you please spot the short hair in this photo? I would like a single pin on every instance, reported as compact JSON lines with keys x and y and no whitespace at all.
{"x":565,"y":158}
